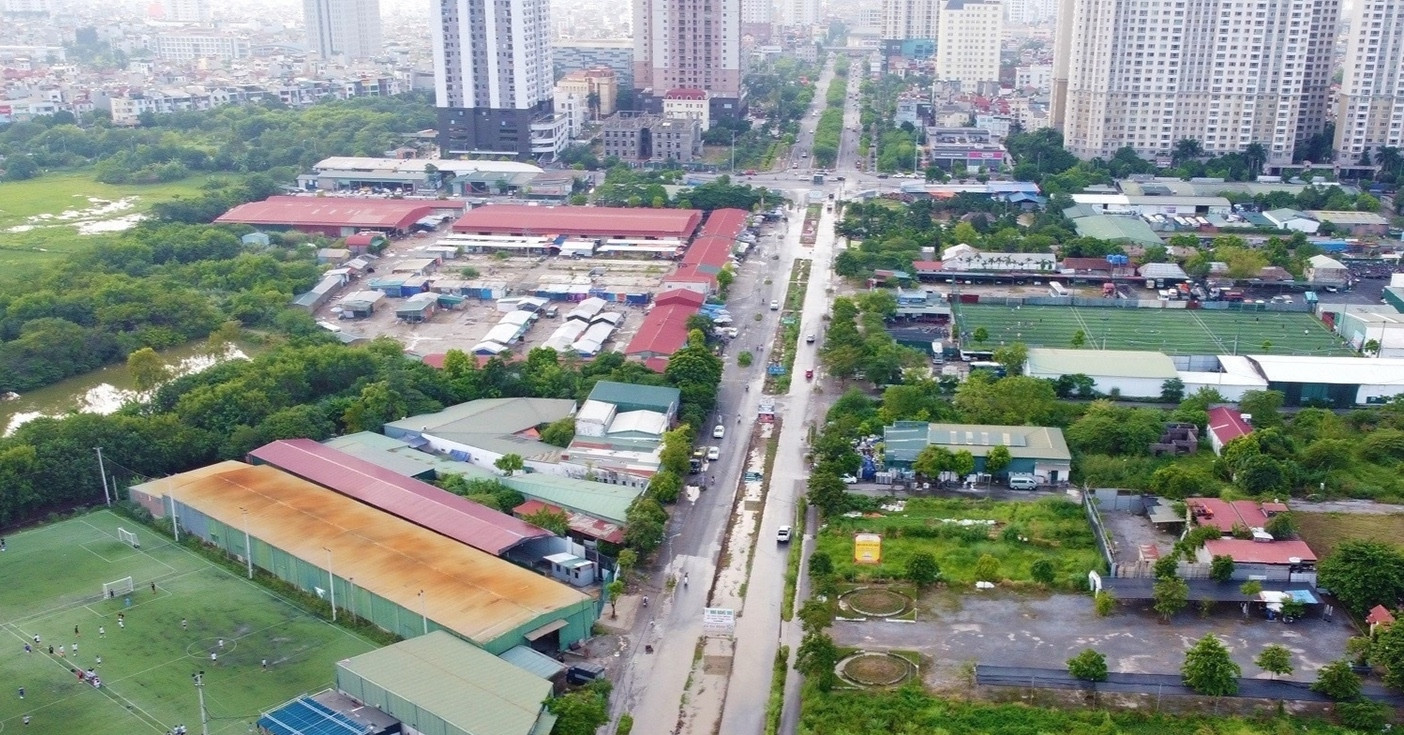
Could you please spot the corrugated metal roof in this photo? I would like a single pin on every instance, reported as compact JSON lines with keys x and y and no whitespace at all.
{"x":418,"y":502}
{"x":1048,"y":362}
{"x":503,"y":425}
{"x":586,"y":221}
{"x":295,"y":211}
{"x":599,"y":499}
{"x":533,"y":661}
{"x":634,"y":397}
{"x":472,"y":593}
{"x":470,"y":689}
{"x":906,"y":439}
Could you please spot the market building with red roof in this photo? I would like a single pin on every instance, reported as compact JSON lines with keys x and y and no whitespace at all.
{"x":342,"y":216}
{"x":412,"y":500}
{"x":597,"y":222}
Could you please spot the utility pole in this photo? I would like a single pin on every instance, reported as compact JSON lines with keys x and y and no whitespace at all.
{"x":733,"y":151}
{"x":424,"y":612}
{"x":248,"y":547}
{"x":106,"y":494}
{"x":199,"y":679}
{"x":331,"y":582}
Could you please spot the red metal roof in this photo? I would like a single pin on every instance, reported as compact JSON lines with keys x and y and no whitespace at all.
{"x":520,"y":219}
{"x":1226,"y":514}
{"x":585,"y":525}
{"x":683,"y":296}
{"x":709,"y":250}
{"x":927,"y":266}
{"x":372,"y":214}
{"x":361,"y":238}
{"x":1227,"y":424}
{"x":1378,"y":615}
{"x":1254,"y":552}
{"x":663,"y":332}
{"x":684,"y":93}
{"x":1087,"y":264}
{"x":417,"y":502}
{"x":726,"y":223}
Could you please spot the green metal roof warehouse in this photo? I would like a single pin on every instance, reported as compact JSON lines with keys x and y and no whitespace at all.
{"x":439,"y":685}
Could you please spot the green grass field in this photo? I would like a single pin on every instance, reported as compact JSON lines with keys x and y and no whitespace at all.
{"x":1173,"y":331}
{"x":39,"y":217}
{"x":1055,"y":529}
{"x":52,"y":581}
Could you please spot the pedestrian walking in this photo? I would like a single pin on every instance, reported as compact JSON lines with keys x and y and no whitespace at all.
{"x":2,"y":544}
{"x":26,"y":720}
{"x":36,"y":637}
{"x":61,"y":652}
{"x":98,"y":660}
{"x":21,"y":690}
{"x":102,"y":632}
{"x":153,"y":588}
{"x":121,"y":622}
{"x":265,"y":664}
{"x":213,"y":657}
{"x":51,"y":649}
{"x":183,"y":626}
{"x":76,"y":634}
{"x":75,"y":649}
{"x":27,"y":649}
{"x":221,"y":643}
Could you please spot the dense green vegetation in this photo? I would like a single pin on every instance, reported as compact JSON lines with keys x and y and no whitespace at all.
{"x":309,"y":386}
{"x":236,"y":138}
{"x":626,"y":187}
{"x":909,"y":709}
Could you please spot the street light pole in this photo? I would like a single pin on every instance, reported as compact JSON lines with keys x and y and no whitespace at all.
{"x":331,"y":582}
{"x":248,"y":547}
{"x":199,"y":679}
{"x":424,"y":612}
{"x":106,"y":494}
{"x":733,"y":151}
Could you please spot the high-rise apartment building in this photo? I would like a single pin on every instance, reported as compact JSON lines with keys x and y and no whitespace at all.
{"x":349,"y":28}
{"x":1227,"y":73}
{"x":905,"y":20}
{"x":798,"y":13}
{"x":1370,"y":112}
{"x":757,"y":12}
{"x":967,"y":45}
{"x":492,"y":79}
{"x":186,"y":11}
{"x":690,"y":44}
{"x":26,"y":7}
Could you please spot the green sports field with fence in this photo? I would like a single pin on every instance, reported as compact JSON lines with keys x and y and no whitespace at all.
{"x":1172,"y":331}
{"x":53,"y":579}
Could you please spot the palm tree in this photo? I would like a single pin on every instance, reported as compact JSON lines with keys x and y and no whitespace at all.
{"x":1389,"y":159}
{"x":1255,"y":156}
{"x":1186,"y":149}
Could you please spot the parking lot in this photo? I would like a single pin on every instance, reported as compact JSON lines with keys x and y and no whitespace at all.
{"x":465,"y":325}
{"x":999,"y":627}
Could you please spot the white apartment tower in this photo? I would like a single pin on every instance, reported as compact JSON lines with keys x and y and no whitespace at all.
{"x":758,"y":12}
{"x":798,"y":13}
{"x":905,"y":20}
{"x":967,"y":45}
{"x":1227,"y":73}
{"x":186,"y":11}
{"x":493,"y":82}
{"x":1371,"y":103}
{"x":349,"y":28}
{"x":689,"y":44}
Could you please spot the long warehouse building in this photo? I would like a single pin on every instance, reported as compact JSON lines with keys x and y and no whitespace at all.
{"x":406,"y":579}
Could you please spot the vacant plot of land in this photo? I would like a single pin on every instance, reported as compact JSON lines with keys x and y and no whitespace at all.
{"x":198,"y":618}
{"x":1325,"y":531}
{"x":1173,"y":331}
{"x":57,"y":213}
{"x":958,"y":532}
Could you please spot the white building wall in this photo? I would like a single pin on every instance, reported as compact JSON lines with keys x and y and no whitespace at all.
{"x":1370,"y":106}
{"x":1228,"y":74}
{"x":348,"y":28}
{"x":967,"y":46}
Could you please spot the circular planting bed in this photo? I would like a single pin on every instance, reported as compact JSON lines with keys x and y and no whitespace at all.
{"x":876,"y":602}
{"x":876,"y":669}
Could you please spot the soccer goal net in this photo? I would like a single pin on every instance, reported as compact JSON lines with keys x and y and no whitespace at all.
{"x":120,"y":587}
{"x":128,"y":537}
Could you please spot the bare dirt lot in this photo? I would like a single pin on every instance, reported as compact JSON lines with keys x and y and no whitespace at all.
{"x":1000,"y":627}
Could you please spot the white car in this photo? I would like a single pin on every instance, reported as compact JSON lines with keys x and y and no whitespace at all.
{"x":809,"y":338}
{"x":774,"y":305}
{"x":719,"y":432}
{"x":714,"y":453}
{"x":849,"y":479}
{"x":783,"y":535}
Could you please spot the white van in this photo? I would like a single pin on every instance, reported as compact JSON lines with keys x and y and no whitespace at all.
{"x":1023,"y":482}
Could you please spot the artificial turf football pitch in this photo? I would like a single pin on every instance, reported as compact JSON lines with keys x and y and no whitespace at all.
{"x":51,"y":581}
